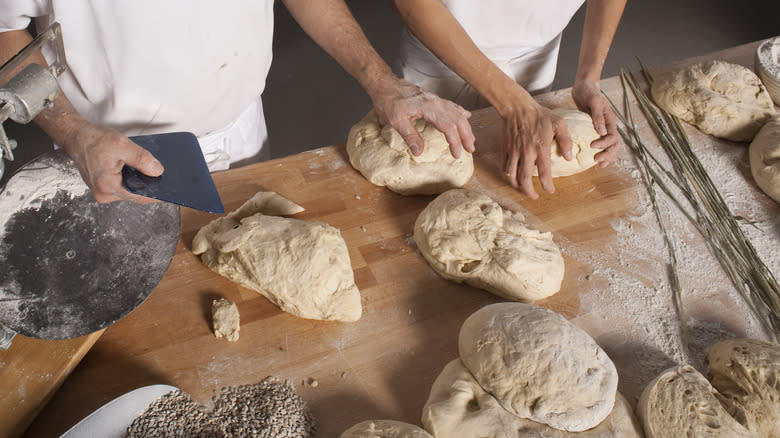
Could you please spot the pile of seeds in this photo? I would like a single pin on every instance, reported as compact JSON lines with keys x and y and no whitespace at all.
{"x":268,"y":409}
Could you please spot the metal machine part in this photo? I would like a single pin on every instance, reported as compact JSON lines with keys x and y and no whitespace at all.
{"x":30,"y":91}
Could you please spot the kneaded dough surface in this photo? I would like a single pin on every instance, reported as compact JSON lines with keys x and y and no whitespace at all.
{"x":302,"y":267}
{"x":385,"y":429}
{"x":225,"y":319}
{"x":765,"y":159}
{"x":459,"y":407}
{"x":380,"y":153}
{"x":680,"y":403}
{"x":582,"y":134}
{"x":467,"y":237}
{"x":723,"y":99}
{"x":538,"y":365}
{"x":746,"y":372}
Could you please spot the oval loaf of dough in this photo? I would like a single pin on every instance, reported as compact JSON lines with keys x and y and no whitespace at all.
{"x":459,"y":407}
{"x":723,"y":99}
{"x":682,"y":403}
{"x":765,"y":159}
{"x":582,"y":135}
{"x":385,"y":429}
{"x":383,"y":157}
{"x":302,"y":267}
{"x":467,"y":237}
{"x":746,"y":372}
{"x":538,"y":365}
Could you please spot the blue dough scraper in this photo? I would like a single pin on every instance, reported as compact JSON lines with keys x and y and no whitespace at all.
{"x":186,"y":180}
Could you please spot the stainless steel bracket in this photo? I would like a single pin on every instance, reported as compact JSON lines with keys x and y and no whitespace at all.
{"x":31,"y":90}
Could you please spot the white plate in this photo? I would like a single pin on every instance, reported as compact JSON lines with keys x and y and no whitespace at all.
{"x":113,"y":418}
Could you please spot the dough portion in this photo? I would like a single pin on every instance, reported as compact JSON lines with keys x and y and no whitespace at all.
{"x":723,"y":99}
{"x":302,"y":267}
{"x":225,"y":319}
{"x":538,"y":365}
{"x":582,"y":134}
{"x":746,"y":373}
{"x":681,"y":402}
{"x":459,"y":407}
{"x":383,"y":157}
{"x":467,"y":237}
{"x":765,"y":159}
{"x":384,"y":429}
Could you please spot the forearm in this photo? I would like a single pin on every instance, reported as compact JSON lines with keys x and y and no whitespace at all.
{"x":601,"y":22}
{"x":433,"y":24}
{"x":61,"y":121}
{"x":331,"y":25}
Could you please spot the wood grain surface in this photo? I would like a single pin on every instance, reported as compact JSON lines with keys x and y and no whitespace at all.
{"x":383,"y":365}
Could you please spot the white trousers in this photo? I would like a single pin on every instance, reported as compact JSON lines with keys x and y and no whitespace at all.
{"x":244,"y":140}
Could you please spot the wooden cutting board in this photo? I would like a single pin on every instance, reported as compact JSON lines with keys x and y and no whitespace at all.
{"x":383,"y":365}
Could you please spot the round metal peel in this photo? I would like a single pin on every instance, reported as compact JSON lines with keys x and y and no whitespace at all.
{"x":68,"y":265}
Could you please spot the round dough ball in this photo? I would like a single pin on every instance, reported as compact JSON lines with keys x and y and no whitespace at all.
{"x":467,"y":237}
{"x":682,"y":403}
{"x":723,"y":99}
{"x":383,"y":157}
{"x":765,"y":159}
{"x":459,"y":407}
{"x":538,"y":365}
{"x":746,"y":372}
{"x":582,"y":135}
{"x":384,"y":429}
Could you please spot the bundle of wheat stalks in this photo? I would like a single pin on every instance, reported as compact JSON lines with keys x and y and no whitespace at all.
{"x":707,"y":210}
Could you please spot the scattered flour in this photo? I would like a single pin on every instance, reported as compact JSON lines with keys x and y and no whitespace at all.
{"x":639,"y":290}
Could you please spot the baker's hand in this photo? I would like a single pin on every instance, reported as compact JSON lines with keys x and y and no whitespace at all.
{"x":589,"y":99}
{"x":400,"y":103}
{"x":100,"y":153}
{"x":529,"y":130}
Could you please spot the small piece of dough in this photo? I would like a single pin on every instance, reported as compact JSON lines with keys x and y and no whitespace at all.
{"x":682,"y":403}
{"x":582,"y":134}
{"x":383,"y":157}
{"x":467,"y":237}
{"x":538,"y":365}
{"x":225,"y":319}
{"x":302,"y":267}
{"x":459,"y":407}
{"x":765,"y":159}
{"x":384,"y":429}
{"x":746,"y":373}
{"x":723,"y":99}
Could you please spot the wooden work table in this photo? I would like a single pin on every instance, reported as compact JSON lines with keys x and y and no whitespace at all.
{"x":383,"y":365}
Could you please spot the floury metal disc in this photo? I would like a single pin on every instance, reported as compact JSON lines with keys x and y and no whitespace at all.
{"x":68,"y":265}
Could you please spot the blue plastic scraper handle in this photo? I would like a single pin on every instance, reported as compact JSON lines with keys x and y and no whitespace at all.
{"x":186,"y":180}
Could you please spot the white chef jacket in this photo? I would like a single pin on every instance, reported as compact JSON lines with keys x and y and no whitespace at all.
{"x":522,"y":37}
{"x":152,"y":66}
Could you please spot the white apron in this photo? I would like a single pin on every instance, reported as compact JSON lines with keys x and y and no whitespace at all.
{"x":522,"y":37}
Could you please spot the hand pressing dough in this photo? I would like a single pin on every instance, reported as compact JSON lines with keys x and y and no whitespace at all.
{"x":302,"y":267}
{"x":765,"y":159}
{"x":385,"y":429}
{"x":746,"y":373}
{"x":225,"y":319}
{"x":723,"y":99}
{"x":467,"y":237}
{"x":459,"y":407}
{"x":380,"y":153}
{"x":582,"y":134}
{"x":682,"y":403}
{"x":538,"y":365}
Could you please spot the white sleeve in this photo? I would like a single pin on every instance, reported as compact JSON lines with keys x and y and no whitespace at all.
{"x":16,"y":14}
